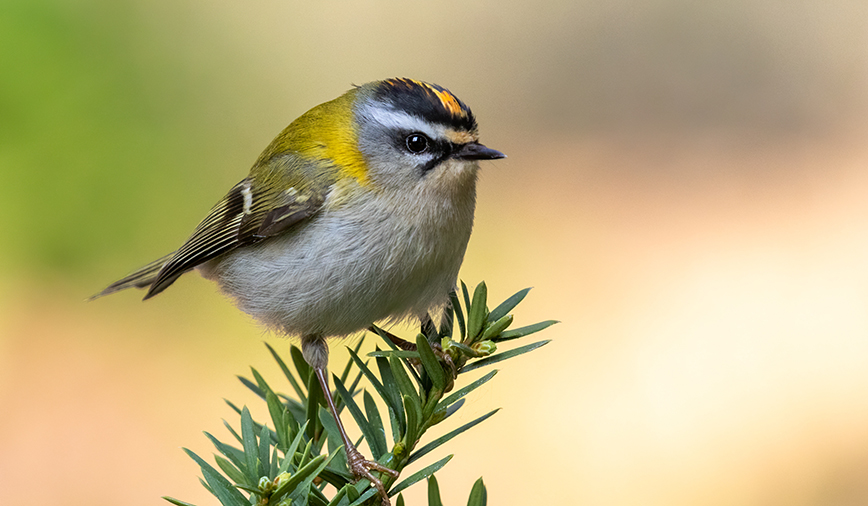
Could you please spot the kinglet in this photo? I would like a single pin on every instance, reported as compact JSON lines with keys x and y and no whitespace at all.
{"x":359,"y":211}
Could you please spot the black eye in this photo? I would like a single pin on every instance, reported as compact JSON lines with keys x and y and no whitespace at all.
{"x":417,"y":143}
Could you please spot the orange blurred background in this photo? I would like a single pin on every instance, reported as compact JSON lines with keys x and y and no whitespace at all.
{"x":685,"y":189}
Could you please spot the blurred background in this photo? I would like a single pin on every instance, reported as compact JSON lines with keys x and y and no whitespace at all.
{"x":686,"y":189}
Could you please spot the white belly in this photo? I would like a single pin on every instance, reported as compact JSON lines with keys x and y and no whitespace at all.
{"x":335,"y":274}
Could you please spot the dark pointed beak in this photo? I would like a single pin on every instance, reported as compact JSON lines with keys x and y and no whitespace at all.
{"x":476,"y":151}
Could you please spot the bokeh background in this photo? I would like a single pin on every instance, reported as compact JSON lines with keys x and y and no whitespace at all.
{"x":686,"y":189}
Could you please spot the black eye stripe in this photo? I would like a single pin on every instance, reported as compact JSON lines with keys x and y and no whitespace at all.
{"x":432,"y":163}
{"x":436,"y":151}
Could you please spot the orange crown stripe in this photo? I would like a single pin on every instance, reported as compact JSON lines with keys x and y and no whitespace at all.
{"x":450,"y":103}
{"x":447,"y":99}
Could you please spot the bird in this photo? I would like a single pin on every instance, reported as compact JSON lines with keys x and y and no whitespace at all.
{"x":359,"y":211}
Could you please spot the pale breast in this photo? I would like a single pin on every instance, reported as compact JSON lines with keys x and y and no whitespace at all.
{"x":337,"y":273}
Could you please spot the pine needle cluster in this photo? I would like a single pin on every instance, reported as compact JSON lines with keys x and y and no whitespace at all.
{"x":297,"y":459}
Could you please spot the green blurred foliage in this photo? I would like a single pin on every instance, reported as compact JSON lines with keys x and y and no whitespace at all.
{"x":70,"y":87}
{"x":121,"y":122}
{"x":96,"y":118}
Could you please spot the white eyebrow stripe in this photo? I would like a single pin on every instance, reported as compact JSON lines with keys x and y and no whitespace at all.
{"x":398,"y":120}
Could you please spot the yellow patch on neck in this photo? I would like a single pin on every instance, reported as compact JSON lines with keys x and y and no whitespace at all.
{"x":339,"y":144}
{"x":326,"y":133}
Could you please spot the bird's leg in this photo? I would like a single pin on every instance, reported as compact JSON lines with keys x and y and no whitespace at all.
{"x":359,"y":466}
{"x":397,"y":341}
{"x":316,"y":353}
{"x":427,"y":328}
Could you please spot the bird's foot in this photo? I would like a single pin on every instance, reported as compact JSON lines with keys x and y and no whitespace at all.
{"x":361,"y":468}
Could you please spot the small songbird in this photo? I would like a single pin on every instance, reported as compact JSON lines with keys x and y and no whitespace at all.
{"x":359,"y":211}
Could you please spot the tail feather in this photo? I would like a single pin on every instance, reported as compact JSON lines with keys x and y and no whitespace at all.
{"x":141,"y":278}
